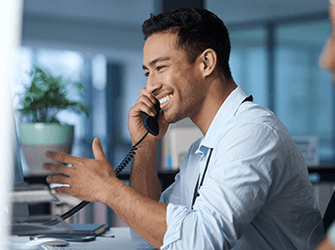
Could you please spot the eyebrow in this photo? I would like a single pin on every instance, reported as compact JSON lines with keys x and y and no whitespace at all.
{"x":153,"y":62}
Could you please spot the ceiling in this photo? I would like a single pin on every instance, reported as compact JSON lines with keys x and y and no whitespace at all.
{"x":106,"y":24}
{"x":242,"y":11}
{"x":136,"y":11}
{"x":106,"y":11}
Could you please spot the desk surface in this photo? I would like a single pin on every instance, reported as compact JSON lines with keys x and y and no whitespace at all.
{"x":121,"y":240}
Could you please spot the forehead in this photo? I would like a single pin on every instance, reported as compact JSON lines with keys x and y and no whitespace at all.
{"x":159,"y":45}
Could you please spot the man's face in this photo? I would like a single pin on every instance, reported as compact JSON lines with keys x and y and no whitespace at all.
{"x":327,"y":59}
{"x":173,"y":81}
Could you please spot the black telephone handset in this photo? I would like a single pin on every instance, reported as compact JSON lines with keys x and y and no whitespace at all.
{"x":150,"y":123}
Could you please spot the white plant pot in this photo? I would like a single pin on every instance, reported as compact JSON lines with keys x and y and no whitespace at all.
{"x":37,"y":138}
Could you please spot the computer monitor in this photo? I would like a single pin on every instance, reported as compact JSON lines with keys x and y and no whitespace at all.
{"x":18,"y":171}
{"x":18,"y":210}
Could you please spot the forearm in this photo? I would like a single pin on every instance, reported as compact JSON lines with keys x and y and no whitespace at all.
{"x":325,"y":244}
{"x":145,"y":216}
{"x":144,"y":176}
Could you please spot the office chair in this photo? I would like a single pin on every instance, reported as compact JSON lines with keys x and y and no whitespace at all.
{"x":329,"y":215}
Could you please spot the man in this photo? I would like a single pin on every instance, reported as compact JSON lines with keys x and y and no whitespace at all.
{"x":244,"y":185}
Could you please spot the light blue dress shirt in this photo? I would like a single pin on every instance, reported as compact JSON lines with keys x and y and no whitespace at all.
{"x":255,"y":193}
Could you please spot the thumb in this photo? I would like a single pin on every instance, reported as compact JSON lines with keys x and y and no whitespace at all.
{"x":97,"y":150}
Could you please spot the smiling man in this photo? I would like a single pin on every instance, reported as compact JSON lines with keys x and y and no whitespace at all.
{"x":243,"y":185}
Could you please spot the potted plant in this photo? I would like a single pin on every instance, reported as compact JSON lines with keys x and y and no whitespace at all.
{"x":46,"y":96}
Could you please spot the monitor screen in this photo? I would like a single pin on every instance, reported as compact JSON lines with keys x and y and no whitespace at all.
{"x":18,"y":210}
{"x":18,"y":171}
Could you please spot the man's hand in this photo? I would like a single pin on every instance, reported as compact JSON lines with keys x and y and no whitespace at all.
{"x":88,"y":178}
{"x":94,"y":180}
{"x":145,"y":103}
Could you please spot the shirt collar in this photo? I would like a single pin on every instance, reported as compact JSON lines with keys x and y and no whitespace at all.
{"x":225,"y":113}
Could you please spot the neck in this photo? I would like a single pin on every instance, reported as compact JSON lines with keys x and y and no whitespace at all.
{"x":217,"y":93}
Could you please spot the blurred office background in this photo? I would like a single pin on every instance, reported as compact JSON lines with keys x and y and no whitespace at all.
{"x":275,"y":51}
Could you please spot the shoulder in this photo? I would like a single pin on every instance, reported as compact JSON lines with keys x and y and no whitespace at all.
{"x":253,"y":129}
{"x":258,"y":120}
{"x":253,"y":118}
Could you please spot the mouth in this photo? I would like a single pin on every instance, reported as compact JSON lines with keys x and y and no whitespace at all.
{"x":164,"y":101}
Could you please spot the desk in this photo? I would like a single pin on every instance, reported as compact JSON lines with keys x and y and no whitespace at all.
{"x":121,"y":240}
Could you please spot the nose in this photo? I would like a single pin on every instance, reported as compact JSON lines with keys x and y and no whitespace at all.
{"x":153,"y":84}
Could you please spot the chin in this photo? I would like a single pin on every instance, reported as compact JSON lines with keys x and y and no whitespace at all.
{"x":172,"y":118}
{"x":169,"y":120}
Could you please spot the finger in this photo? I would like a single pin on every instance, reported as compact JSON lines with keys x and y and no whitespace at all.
{"x":150,"y":96}
{"x":60,"y":179}
{"x":146,"y":108}
{"x":62,"y":190}
{"x":60,"y":156}
{"x":148,"y":99}
{"x":146,"y":105}
{"x":56,"y":168}
{"x":97,"y":150}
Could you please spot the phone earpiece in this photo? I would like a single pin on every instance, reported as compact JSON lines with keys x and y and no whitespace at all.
{"x":150,"y":123}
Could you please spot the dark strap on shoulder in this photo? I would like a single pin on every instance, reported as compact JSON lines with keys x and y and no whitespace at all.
{"x":197,"y":186}
{"x":195,"y":193}
{"x":248,"y":99}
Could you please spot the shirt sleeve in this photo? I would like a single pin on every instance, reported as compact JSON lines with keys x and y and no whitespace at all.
{"x":235,"y":188}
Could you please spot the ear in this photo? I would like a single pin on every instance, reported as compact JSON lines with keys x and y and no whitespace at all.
{"x":208,"y":62}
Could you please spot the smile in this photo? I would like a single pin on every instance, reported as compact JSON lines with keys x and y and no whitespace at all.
{"x":166,"y":98}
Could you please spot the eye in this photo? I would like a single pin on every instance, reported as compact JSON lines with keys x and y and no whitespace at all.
{"x":159,"y":68}
{"x":146,"y":74}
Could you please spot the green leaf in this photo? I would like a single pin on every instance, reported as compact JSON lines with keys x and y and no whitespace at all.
{"x":47,"y":95}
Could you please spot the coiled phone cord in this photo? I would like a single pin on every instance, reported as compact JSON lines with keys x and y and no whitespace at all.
{"x":118,"y":170}
{"x":129,"y":156}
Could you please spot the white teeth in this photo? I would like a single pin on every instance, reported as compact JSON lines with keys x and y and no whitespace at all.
{"x":165,"y":99}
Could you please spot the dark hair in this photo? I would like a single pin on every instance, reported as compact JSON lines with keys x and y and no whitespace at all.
{"x":198,"y":30}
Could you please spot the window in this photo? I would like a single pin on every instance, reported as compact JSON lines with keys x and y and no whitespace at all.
{"x":248,"y":62}
{"x":108,"y":103}
{"x":277,"y":63}
{"x":70,"y":66}
{"x":304,"y":93}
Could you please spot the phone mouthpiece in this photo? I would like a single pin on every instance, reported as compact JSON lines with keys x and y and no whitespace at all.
{"x":150,"y":124}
